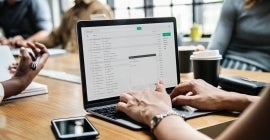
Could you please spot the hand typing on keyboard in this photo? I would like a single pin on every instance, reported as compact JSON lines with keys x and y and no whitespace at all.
{"x":111,"y":112}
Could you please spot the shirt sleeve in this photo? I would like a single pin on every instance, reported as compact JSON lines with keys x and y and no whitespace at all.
{"x":41,"y":15}
{"x":224,"y":30}
{"x":2,"y":92}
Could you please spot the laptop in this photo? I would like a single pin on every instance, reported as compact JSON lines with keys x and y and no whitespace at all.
{"x":119,"y":55}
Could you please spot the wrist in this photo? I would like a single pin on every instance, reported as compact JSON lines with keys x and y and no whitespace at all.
{"x":13,"y":86}
{"x":159,"y":117}
{"x":235,"y":101}
{"x":25,"y":80}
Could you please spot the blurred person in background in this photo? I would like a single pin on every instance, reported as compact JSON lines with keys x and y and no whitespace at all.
{"x":242,"y":35}
{"x":24,"y":20}
{"x":65,"y":34}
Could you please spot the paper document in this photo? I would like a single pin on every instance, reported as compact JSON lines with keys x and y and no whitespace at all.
{"x":6,"y":59}
{"x":33,"y":89}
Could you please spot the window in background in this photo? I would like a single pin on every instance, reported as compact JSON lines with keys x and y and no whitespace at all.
{"x":176,"y":8}
{"x":186,"y":12}
{"x":210,"y":15}
{"x":206,"y":13}
{"x":65,"y":5}
{"x":128,"y":9}
{"x":183,"y":17}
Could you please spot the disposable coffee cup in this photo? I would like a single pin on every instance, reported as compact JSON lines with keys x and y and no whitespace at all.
{"x":184,"y":53}
{"x":206,"y":66}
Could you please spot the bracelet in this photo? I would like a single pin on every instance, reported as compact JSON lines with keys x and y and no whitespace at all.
{"x":157,"y":118}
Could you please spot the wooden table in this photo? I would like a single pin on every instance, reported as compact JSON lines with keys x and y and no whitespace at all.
{"x":29,"y":118}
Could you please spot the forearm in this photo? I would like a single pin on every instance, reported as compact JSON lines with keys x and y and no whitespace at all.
{"x":175,"y":128}
{"x":53,"y":39}
{"x":253,"y":124}
{"x":236,"y":101}
{"x":13,"y":86}
{"x":38,"y":36}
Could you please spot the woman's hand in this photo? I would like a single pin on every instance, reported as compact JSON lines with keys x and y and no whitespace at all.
{"x":142,"y":106}
{"x":24,"y":70}
{"x":17,"y":41}
{"x":3,"y":41}
{"x":198,"y":94}
{"x":23,"y":74}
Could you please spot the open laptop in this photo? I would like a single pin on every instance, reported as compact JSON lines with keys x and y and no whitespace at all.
{"x":119,"y":55}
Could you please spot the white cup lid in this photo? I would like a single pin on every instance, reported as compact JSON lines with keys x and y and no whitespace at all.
{"x":186,"y":48}
{"x":206,"y":55}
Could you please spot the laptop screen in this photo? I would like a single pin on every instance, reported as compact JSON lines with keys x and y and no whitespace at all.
{"x":127,"y":55}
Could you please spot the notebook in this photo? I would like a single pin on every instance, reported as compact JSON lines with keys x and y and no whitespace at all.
{"x":119,"y":55}
{"x":60,"y":75}
{"x":6,"y":58}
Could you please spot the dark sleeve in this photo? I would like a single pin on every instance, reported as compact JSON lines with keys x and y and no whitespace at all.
{"x":41,"y":15}
{"x":225,"y":27}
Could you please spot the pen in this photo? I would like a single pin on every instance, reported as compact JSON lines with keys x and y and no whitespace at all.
{"x":35,"y":63}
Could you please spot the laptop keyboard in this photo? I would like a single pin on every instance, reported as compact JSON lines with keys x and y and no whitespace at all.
{"x":110,"y":112}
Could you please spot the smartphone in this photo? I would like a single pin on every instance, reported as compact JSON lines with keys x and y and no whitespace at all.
{"x":74,"y":128}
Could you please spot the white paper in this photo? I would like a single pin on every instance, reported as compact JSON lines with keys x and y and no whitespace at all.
{"x":33,"y":89}
{"x":6,"y":59}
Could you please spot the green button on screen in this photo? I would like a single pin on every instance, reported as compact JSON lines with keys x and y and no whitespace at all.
{"x":166,"y":34}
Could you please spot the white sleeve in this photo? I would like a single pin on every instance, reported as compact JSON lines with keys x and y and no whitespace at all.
{"x":2,"y":92}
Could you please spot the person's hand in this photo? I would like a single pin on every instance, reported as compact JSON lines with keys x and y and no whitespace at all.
{"x":142,"y":106}
{"x":17,"y":41}
{"x":23,"y":71}
{"x":199,"y":48}
{"x":3,"y":41}
{"x":199,"y":94}
{"x":24,"y":74}
{"x":13,"y":67}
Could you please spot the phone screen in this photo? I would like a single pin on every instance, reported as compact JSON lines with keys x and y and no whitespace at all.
{"x":74,"y":127}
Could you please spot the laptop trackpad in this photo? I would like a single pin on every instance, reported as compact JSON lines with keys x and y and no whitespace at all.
{"x":130,"y":124}
{"x":190,"y":112}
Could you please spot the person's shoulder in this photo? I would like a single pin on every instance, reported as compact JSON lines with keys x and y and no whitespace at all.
{"x":39,"y":5}
{"x":234,"y":3}
{"x":38,"y":2}
{"x":94,"y":3}
{"x":97,"y":5}
{"x":233,"y":6}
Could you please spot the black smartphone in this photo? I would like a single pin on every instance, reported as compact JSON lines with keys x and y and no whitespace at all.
{"x":241,"y":84}
{"x":74,"y":128}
